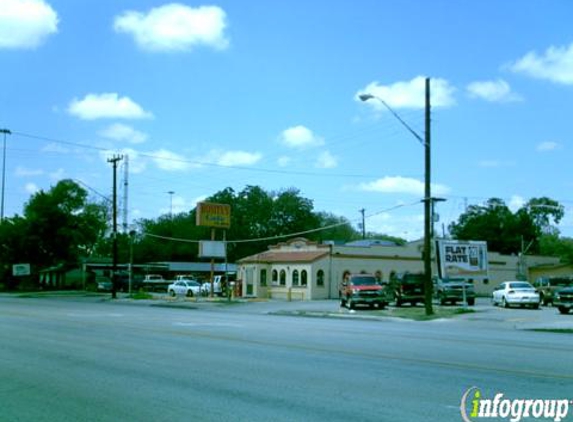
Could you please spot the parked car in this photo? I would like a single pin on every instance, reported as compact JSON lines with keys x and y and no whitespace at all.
{"x":519,"y":293}
{"x":103,"y":284}
{"x":217,"y":286}
{"x":407,"y":288}
{"x":362,"y":289}
{"x":563,"y":299}
{"x":547,"y":286}
{"x":184,"y":287}
{"x":452,"y":290}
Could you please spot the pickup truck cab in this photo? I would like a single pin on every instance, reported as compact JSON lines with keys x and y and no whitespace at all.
{"x":452,"y":290}
{"x":217,"y":286}
{"x":362,"y":289}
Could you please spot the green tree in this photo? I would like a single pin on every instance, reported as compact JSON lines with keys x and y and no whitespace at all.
{"x":507,"y":232}
{"x":62,"y":225}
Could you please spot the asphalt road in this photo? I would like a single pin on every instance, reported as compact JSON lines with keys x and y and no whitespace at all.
{"x":84,"y":359}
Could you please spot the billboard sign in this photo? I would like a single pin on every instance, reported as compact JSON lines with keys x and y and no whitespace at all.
{"x":19,"y":270}
{"x":213,"y":215}
{"x":459,"y":258}
{"x":212,"y":249}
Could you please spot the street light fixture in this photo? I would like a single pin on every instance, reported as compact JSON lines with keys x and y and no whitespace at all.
{"x":427,"y":254}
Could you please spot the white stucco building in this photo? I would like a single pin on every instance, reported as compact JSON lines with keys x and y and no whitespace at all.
{"x":299,"y":269}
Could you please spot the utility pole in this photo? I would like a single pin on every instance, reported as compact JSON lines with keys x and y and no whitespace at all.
{"x":363,"y":223}
{"x":5,"y":132}
{"x":114,"y":162}
{"x":428,"y":286}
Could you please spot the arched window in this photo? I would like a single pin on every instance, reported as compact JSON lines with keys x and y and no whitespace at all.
{"x":283,"y":278}
{"x":275,"y":279}
{"x":263,"y":277}
{"x":320,"y":278}
{"x":303,"y":278}
{"x":295,"y":278}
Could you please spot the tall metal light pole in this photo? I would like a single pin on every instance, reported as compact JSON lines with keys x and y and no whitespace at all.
{"x":5,"y":132}
{"x":427,"y":254}
{"x":171,"y":203}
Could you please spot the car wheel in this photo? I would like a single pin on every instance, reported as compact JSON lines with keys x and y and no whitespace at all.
{"x":172,"y":293}
{"x":535,"y":306}
{"x":442,"y":300}
{"x":471,"y":302}
{"x":398,"y":302}
{"x":563,"y":310}
{"x":189,"y":293}
{"x":504,"y":303}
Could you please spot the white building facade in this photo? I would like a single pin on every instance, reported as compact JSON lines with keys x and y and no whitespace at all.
{"x":299,"y":269}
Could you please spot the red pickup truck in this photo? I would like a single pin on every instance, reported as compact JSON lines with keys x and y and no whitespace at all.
{"x":362,"y":289}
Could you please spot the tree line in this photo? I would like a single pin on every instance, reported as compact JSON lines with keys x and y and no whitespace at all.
{"x":63,"y":225}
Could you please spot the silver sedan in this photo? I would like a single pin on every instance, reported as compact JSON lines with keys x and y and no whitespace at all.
{"x":519,"y":293}
{"x":184,"y":287}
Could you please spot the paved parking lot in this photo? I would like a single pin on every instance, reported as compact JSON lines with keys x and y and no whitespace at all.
{"x":546,"y":317}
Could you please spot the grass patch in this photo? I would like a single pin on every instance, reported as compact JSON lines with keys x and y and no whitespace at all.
{"x":417,"y":313}
{"x":141,"y":295}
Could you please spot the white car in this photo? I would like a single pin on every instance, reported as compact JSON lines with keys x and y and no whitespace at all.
{"x":519,"y":293}
{"x":184,"y":287}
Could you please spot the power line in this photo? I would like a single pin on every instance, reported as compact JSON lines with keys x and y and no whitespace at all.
{"x":282,"y":236}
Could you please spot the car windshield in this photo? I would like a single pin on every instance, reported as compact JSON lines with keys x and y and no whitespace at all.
{"x":193,"y":283}
{"x":363,"y":281}
{"x":520,"y":286}
{"x":413,"y":279}
{"x":560,"y":282}
{"x":453,"y":280}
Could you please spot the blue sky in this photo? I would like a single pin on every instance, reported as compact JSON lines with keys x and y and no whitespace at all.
{"x":204,"y":96}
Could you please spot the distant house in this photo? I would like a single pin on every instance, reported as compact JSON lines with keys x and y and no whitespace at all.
{"x":300,"y":269}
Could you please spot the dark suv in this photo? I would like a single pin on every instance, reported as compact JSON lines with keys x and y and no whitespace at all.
{"x":407,"y":288}
{"x":563,"y":299}
{"x":547,"y":286}
{"x":452,"y":290}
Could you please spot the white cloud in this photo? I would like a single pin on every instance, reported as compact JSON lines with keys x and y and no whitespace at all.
{"x":175,"y":204}
{"x":57,"y":148}
{"x":409,"y":227}
{"x":410,"y":94}
{"x":326,"y":160}
{"x":58,"y":175}
{"x":493,"y":91}
{"x":136,"y":162}
{"x":24,"y":172}
{"x":516,"y":202}
{"x":175,"y":27}
{"x":107,"y":106}
{"x":31,"y":188}
{"x":400,"y":184}
{"x":555,"y":65}
{"x":26,"y":23}
{"x":238,"y":158}
{"x":170,"y":161}
{"x":283,"y":161}
{"x":300,"y":137}
{"x":547,"y":146}
{"x":125,"y":133}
